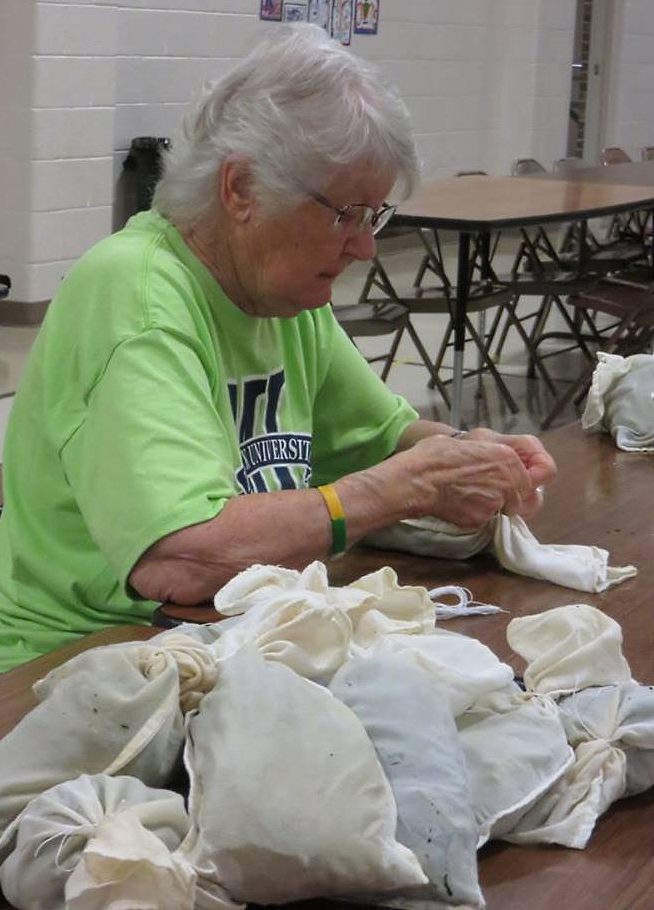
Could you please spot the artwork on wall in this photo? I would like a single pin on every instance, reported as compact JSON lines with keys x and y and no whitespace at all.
{"x":319,"y":13}
{"x":271,"y":9}
{"x":366,"y":17}
{"x":340,"y":18}
{"x":295,"y":12}
{"x":342,"y":21}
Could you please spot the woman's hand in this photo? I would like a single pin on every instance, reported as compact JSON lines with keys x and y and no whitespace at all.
{"x":538,"y":462}
{"x":466,"y":480}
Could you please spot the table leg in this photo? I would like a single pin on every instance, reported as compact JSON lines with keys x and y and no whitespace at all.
{"x":484,"y":252}
{"x":459,"y":321}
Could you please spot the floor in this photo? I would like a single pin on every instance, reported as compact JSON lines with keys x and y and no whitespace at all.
{"x":408,"y":377}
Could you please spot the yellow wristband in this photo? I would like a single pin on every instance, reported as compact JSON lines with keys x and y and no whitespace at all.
{"x":337,"y":515}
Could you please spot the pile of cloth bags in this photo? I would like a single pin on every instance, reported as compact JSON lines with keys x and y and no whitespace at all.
{"x":329,"y":741}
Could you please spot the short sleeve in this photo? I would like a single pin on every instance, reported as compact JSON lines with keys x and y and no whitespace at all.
{"x":358,"y":421}
{"x":155,"y":451}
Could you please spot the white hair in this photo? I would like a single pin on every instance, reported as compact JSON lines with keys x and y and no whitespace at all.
{"x":298,"y":108}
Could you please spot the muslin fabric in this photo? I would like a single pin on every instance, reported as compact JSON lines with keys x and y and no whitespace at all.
{"x":509,"y":540}
{"x":100,"y":842}
{"x":98,"y":713}
{"x":612,"y":731}
{"x":462,"y":669}
{"x":288,"y":800}
{"x":412,"y":729}
{"x":583,"y":568}
{"x":515,"y":749}
{"x":568,"y":649}
{"x":621,"y":400}
{"x":298,"y":619}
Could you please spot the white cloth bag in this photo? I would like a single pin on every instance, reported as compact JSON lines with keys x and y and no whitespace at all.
{"x":621,"y":400}
{"x":463,"y":669}
{"x":287,"y":800}
{"x":569,"y":648}
{"x":100,"y":843}
{"x":584,"y":568}
{"x":99,"y":713}
{"x":298,"y":619}
{"x":515,"y":749}
{"x":406,"y":716}
{"x":612,"y":731}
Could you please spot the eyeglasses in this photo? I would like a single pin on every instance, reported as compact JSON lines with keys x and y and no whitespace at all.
{"x":358,"y":217}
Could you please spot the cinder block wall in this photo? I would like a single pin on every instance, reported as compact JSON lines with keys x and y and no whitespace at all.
{"x":486,"y":81}
{"x":630,"y":109}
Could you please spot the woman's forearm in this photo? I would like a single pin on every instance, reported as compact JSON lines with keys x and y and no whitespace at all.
{"x":434,"y":472}
{"x":289,"y":528}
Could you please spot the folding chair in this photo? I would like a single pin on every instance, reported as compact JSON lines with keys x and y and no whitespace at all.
{"x":632,"y":305}
{"x":386,"y":317}
{"x":440,"y":300}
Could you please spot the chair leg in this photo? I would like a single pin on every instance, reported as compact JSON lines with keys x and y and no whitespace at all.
{"x":535,"y":361}
{"x":388,"y":363}
{"x":367,"y":285}
{"x":420,"y":274}
{"x":583,"y":382}
{"x":440,"y":357}
{"x":434,"y":379}
{"x":513,"y":407}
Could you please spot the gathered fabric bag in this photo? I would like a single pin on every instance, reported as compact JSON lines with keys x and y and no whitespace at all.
{"x":461,"y":668}
{"x":108,"y":710}
{"x":568,"y":649}
{"x":515,"y":749}
{"x":621,"y":400}
{"x":509,"y":540}
{"x":622,"y":716}
{"x":298,"y":619}
{"x":98,"y":713}
{"x":100,"y":843}
{"x":406,"y":715}
{"x":287,"y":800}
{"x":612,"y":731}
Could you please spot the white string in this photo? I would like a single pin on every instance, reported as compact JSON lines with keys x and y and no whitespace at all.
{"x":65,"y":837}
{"x":464,"y":605}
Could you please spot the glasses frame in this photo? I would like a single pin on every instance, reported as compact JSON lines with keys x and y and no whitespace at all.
{"x":376,"y":220}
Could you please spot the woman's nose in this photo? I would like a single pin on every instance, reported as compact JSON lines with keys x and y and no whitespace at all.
{"x":361,"y":245}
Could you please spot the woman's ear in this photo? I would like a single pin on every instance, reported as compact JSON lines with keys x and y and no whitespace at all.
{"x":235,"y":189}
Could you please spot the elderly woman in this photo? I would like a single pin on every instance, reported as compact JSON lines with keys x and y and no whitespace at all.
{"x":191,"y":406}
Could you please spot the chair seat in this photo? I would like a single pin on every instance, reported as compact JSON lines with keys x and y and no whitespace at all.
{"x":435,"y":300}
{"x":538,"y":285}
{"x":609,"y":258}
{"x":369,"y":319}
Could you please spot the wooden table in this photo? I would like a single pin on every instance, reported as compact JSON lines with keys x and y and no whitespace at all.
{"x":601,"y":496}
{"x":628,"y":173}
{"x":481,"y":204}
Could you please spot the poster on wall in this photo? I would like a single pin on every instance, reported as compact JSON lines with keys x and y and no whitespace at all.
{"x":295,"y":12}
{"x":366,"y":17}
{"x":342,"y":21}
{"x":271,"y":9}
{"x":319,"y":13}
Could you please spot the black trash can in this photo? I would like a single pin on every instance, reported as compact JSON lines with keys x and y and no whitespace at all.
{"x":144,"y":162}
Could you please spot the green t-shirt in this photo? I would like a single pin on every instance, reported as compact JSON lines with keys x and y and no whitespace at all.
{"x":148,"y":401}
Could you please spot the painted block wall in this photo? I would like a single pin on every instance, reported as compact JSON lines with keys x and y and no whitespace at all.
{"x":485,"y":80}
{"x":630,"y":109}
